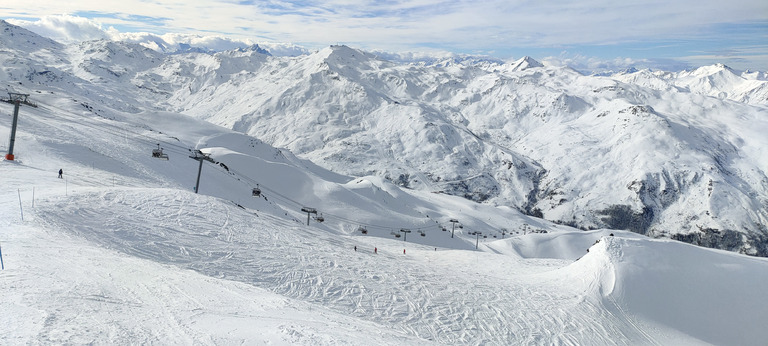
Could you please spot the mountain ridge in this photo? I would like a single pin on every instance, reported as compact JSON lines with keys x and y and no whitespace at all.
{"x":653,"y":153}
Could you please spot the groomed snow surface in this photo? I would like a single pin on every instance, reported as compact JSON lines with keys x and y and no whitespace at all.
{"x":121,"y":250}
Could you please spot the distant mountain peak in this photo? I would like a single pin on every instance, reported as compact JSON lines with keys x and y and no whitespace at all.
{"x":342,"y":55}
{"x":713,"y":69}
{"x":346,"y":51}
{"x":723,"y":66}
{"x":525,"y":62}
{"x":254,"y":48}
{"x":629,"y":70}
{"x":188,"y":48}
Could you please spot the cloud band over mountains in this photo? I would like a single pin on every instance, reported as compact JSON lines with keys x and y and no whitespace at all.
{"x":693,"y":33}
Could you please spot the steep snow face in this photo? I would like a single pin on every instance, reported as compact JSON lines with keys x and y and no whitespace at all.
{"x":644,"y":151}
{"x":20,"y":39}
{"x":26,"y":55}
{"x":106,"y":61}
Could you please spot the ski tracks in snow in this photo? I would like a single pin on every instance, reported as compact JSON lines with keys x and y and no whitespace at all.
{"x":447,"y":297}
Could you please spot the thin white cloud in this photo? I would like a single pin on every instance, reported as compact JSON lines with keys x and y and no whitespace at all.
{"x":468,"y":24}
{"x":65,"y":28}
{"x":592,"y":65}
{"x":398,"y":25}
{"x":69,"y":29}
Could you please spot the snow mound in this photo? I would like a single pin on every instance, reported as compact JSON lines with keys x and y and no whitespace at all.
{"x":683,"y":287}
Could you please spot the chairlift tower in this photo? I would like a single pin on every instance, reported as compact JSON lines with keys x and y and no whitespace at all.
{"x":17,"y":100}
{"x":309,"y":211}
{"x":477,"y":240}
{"x":199,"y":156}
{"x":453,"y":222}
{"x":405,"y":233}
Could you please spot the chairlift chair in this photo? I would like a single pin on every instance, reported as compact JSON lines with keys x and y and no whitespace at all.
{"x":362,"y":230}
{"x":256,"y":191}
{"x":320,"y":218}
{"x":158,"y":153}
{"x":421,"y":233}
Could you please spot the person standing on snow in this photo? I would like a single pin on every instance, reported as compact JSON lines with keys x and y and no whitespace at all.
{"x":60,"y":173}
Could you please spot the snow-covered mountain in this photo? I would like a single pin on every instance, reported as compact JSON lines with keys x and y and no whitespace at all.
{"x":585,"y":151}
{"x":718,"y":81}
{"x":677,"y":155}
{"x":121,"y":250}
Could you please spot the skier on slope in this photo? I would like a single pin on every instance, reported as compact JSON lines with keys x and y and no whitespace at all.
{"x":60,"y":173}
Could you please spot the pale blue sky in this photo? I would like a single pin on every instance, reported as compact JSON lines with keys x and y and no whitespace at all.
{"x":589,"y":34}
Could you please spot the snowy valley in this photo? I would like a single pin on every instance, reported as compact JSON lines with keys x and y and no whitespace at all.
{"x":536,"y":164}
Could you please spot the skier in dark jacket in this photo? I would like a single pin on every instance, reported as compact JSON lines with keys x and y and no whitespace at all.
{"x":60,"y":173}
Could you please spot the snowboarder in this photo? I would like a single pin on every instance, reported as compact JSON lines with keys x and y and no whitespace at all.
{"x":60,"y":173}
{"x":355,"y":248}
{"x":403,"y":251}
{"x":375,"y":250}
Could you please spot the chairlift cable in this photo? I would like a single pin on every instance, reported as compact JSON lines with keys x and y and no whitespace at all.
{"x":119,"y":131}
